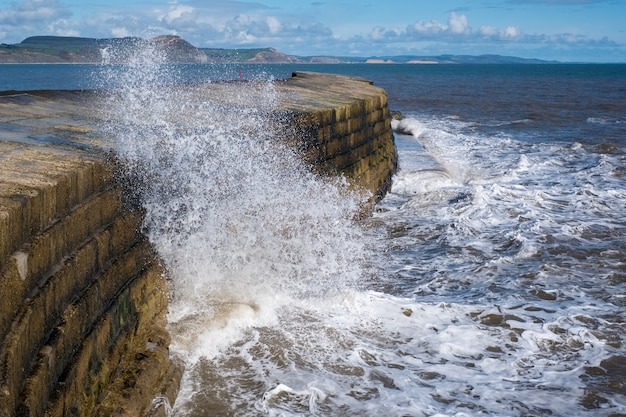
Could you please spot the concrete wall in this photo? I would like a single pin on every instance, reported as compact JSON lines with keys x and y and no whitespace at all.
{"x":83,"y":298}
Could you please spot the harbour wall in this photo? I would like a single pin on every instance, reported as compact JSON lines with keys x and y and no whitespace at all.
{"x":343,"y":127}
{"x":83,"y":295}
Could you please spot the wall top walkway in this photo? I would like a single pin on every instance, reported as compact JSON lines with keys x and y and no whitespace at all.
{"x":69,"y":119}
{"x":64,"y":125}
{"x":44,"y":134}
{"x":311,"y":91}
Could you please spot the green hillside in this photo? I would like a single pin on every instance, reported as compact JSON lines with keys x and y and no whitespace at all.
{"x":232,"y":55}
{"x":60,"y":49}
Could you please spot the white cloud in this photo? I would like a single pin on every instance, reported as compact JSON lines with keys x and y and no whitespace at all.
{"x":458,"y":31}
{"x":32,"y":17}
{"x":430,"y":28}
{"x":34,"y":11}
{"x":377,"y":33}
{"x":494,"y":33}
{"x":380,"y":32}
{"x":178,"y":12}
{"x":245,"y":38}
{"x":511,"y":32}
{"x":488,"y":31}
{"x":228,"y":24}
{"x":120,"y":32}
{"x":457,"y":36}
{"x":274,"y":25}
{"x":62,"y":27}
{"x":457,"y":24}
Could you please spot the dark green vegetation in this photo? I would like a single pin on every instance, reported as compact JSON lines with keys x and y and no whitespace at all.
{"x":232,"y":55}
{"x":58,"y":49}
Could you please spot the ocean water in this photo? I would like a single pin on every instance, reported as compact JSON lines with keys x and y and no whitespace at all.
{"x":490,"y":281}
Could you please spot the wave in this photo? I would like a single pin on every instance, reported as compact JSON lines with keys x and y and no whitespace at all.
{"x":604,"y":121}
{"x":506,"y":202}
{"x":408,"y":126}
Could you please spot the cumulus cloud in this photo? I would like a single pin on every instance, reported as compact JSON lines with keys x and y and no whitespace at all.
{"x":431,"y":28}
{"x":178,"y":14}
{"x":274,"y":25}
{"x":493,"y":33}
{"x":33,"y":11}
{"x":488,"y":31}
{"x":511,"y":32}
{"x":232,"y":23}
{"x":457,"y":29}
{"x":120,"y":32}
{"x":261,"y":30}
{"x":379,"y":33}
{"x":224,"y":23}
{"x":30,"y":16}
{"x":457,"y":23}
{"x":458,"y":35}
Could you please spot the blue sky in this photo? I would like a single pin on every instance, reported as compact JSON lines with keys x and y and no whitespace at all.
{"x":565,"y":30}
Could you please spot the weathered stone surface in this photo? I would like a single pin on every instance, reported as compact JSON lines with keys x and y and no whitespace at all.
{"x":342,"y":124}
{"x":83,"y":294}
{"x":83,"y":297}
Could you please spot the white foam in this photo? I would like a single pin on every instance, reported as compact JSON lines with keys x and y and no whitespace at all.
{"x":244,"y":229}
{"x":526,"y":206}
{"x":408,"y":126}
{"x":604,"y":121}
{"x":277,"y":304}
{"x":372,"y":353}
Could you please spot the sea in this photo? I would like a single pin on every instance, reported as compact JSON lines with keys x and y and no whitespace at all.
{"x":489,"y":281}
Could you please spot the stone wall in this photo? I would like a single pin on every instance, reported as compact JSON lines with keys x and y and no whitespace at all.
{"x":83,"y":296}
{"x":342,"y":124}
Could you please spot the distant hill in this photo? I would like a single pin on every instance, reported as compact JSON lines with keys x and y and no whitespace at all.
{"x":455,"y":59}
{"x":60,"y":49}
{"x":254,"y":55}
{"x":52,"y":49}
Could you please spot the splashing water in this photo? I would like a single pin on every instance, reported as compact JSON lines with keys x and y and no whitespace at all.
{"x":241,"y":224}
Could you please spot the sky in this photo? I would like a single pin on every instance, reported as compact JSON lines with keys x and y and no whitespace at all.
{"x":563,"y":30}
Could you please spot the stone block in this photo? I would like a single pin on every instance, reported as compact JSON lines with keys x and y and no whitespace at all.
{"x":130,"y":356}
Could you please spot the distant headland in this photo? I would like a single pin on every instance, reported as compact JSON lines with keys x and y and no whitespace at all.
{"x":62,"y":49}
